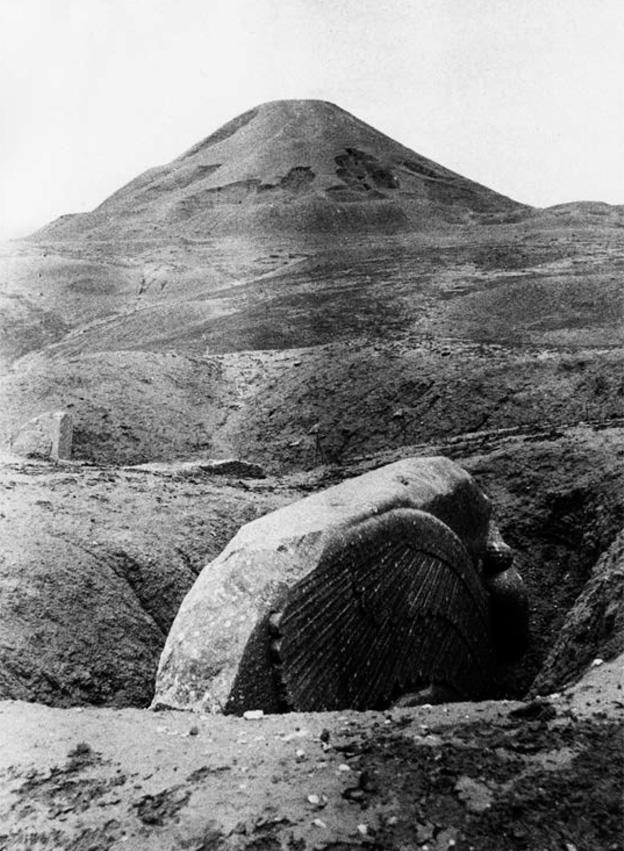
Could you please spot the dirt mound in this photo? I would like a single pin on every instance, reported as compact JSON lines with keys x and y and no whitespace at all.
{"x":345,"y":401}
{"x":95,"y":565}
{"x":353,"y":400}
{"x":302,"y":165}
{"x":589,"y":212}
{"x":128,"y":407}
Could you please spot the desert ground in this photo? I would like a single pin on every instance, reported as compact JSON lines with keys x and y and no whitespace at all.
{"x":545,"y":774}
{"x":178,"y":334}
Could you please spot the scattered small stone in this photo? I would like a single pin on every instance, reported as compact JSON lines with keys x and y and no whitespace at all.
{"x":317,"y":822}
{"x":475,"y":795}
{"x":325,"y":735}
{"x":298,"y":734}
{"x":597,"y":663}
{"x":274,"y":623}
{"x":317,"y":801}
{"x":354,"y":793}
{"x":362,"y":829}
{"x":300,"y":755}
{"x":344,"y":767}
{"x":424,"y":831}
{"x":194,"y":731}
{"x":366,"y":783}
{"x":447,"y":839}
{"x":82,"y":750}
{"x":253,"y":714}
{"x":161,"y":808}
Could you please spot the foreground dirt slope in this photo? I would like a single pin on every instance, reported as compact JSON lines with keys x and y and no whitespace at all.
{"x":465,"y":776}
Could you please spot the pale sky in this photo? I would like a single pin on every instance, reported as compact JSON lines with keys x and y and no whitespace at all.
{"x":525,"y":96}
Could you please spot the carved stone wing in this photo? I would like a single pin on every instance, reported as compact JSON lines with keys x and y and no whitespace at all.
{"x":395,"y":604}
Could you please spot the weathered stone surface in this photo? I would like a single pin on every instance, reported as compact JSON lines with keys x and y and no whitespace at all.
{"x":594,"y":627}
{"x":48,"y":436}
{"x":330,"y":578}
{"x":395,"y":603}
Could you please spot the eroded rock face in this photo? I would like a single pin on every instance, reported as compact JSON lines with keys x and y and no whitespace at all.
{"x":594,"y":627}
{"x":343,"y":599}
{"x":48,"y":436}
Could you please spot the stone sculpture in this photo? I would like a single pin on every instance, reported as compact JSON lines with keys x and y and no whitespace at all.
{"x":48,"y":436}
{"x":349,"y":598}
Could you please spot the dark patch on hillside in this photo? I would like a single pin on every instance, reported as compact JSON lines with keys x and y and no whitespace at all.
{"x":423,"y":170}
{"x":362,"y":171}
{"x":297,"y":179}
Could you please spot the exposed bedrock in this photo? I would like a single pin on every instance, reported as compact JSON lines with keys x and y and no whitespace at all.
{"x":349,"y":598}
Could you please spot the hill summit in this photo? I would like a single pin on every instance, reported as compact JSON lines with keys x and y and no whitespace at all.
{"x":289,"y":165}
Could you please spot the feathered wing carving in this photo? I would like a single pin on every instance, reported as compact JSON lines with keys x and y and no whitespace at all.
{"x":394,"y":604}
